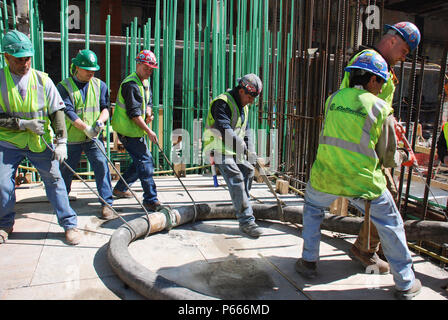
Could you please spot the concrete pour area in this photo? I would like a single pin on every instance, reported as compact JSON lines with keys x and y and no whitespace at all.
{"x":211,"y":257}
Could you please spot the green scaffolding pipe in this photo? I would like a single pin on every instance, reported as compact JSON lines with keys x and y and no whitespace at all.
{"x":87,"y":23}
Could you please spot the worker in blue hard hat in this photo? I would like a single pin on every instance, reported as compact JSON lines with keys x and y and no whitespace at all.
{"x":353,"y":145}
{"x":87,"y":109}
{"x":31,"y":117}
{"x":398,"y":41}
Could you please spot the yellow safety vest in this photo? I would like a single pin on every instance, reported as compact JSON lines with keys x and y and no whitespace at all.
{"x":212,"y":137}
{"x":121,"y":123}
{"x":88,"y":110}
{"x":346,"y":162}
{"x":388,"y":89}
{"x":35,"y":106}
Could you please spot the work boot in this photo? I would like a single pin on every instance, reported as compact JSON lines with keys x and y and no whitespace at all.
{"x":369,"y":260}
{"x":251,"y":229}
{"x":306,"y":268}
{"x":4,"y":234}
{"x":152,"y":206}
{"x":73,"y":236}
{"x":121,"y":194}
{"x":410,"y":293}
{"x":107,"y":213}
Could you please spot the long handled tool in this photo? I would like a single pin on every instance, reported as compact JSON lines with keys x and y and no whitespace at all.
{"x":178,"y":178}
{"x":280,"y":203}
{"x":412,"y":161}
{"x":95,"y":140}
{"x":91,"y":189}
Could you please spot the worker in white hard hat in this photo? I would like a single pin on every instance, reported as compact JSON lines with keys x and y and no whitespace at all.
{"x":397,"y":42}
{"x":227,"y":137}
{"x":348,"y":164}
{"x":31,"y":117}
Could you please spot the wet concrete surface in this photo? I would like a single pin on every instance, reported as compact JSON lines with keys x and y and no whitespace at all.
{"x":211,"y":257}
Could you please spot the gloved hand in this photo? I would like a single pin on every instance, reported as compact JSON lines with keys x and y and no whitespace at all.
{"x":60,"y":151}
{"x":99,"y":125}
{"x":252,"y":157}
{"x":35,"y":125}
{"x":91,"y":132}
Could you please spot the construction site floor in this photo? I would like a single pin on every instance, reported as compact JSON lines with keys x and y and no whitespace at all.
{"x":211,"y":256}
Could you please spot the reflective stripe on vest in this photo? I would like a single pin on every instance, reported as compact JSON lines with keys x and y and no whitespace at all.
{"x":88,"y":111}
{"x":363,"y":146}
{"x":34,"y":106}
{"x":121,"y":123}
{"x":212,"y":138}
{"x":346,"y":162}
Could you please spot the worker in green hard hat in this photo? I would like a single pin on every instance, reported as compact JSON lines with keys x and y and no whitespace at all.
{"x":31,"y":117}
{"x":87,"y":106}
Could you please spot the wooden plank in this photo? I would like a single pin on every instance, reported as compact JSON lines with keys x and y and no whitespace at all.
{"x":339,"y":207}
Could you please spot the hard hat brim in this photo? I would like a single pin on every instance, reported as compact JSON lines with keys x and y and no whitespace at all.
{"x":23,"y":54}
{"x":90,"y":68}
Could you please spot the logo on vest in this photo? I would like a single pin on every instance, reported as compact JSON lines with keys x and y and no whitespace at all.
{"x":358,"y":113}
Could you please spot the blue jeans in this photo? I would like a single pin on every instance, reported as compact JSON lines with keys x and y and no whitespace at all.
{"x":99,"y":165}
{"x":142,"y":167}
{"x":239,"y":179}
{"x":10,"y":158}
{"x":383,"y":214}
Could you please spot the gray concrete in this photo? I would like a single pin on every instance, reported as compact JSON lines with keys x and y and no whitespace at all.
{"x":209,"y":256}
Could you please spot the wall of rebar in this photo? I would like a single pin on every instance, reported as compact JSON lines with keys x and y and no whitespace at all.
{"x":298,"y":48}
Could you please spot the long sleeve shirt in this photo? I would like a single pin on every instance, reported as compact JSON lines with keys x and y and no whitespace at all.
{"x":222,"y":114}
{"x":387,"y":146}
{"x":133,"y":99}
{"x":70,"y":109}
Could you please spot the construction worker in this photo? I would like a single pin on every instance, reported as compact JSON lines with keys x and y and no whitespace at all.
{"x":442,"y":145}
{"x":130,"y":120}
{"x":353,"y":144}
{"x":87,"y":105}
{"x":228,"y":139}
{"x":399,"y":40}
{"x":31,"y":116}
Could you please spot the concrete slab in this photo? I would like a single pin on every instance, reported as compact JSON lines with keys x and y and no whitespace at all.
{"x":209,"y":256}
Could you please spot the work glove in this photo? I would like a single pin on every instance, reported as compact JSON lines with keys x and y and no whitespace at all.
{"x":93,"y":132}
{"x":35,"y":125}
{"x":252,"y":157}
{"x":60,"y":151}
{"x":99,"y":125}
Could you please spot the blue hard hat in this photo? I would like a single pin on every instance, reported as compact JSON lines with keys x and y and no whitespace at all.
{"x":408,"y":31}
{"x":372,"y":62}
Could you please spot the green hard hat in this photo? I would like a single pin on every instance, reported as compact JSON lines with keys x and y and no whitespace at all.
{"x":86,"y":59}
{"x":17,"y":44}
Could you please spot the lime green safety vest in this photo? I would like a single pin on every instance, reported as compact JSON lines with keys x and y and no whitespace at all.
{"x":35,"y":106}
{"x":346,"y":162}
{"x":121,"y":123}
{"x":388,"y":89}
{"x":88,"y":110}
{"x":445,"y":133}
{"x":212,"y":137}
